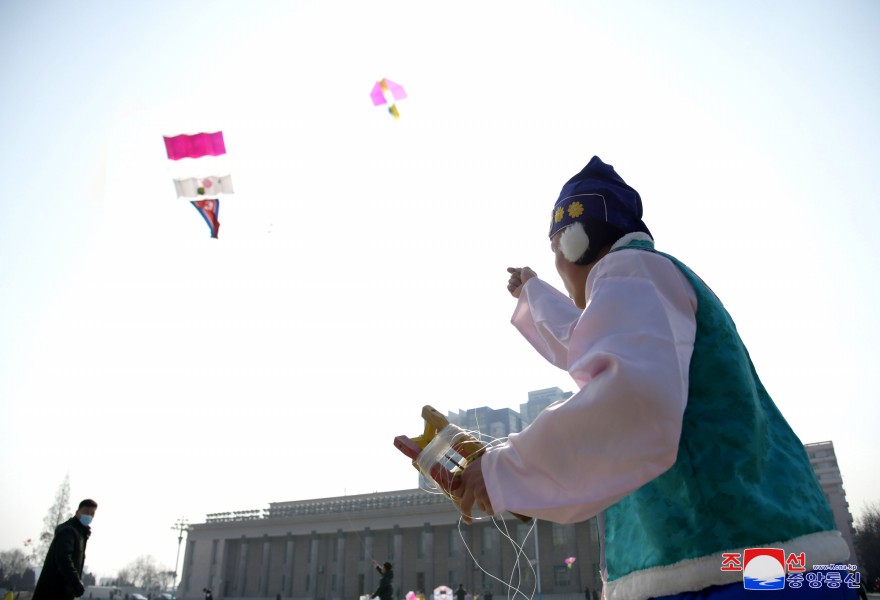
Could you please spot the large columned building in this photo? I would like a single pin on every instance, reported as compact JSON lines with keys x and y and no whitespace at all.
{"x":323,"y":550}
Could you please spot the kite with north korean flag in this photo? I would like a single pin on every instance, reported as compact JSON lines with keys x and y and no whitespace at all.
{"x":210,"y":211}
{"x":196,"y":146}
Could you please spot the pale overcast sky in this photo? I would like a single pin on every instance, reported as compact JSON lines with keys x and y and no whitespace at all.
{"x":360,"y":268}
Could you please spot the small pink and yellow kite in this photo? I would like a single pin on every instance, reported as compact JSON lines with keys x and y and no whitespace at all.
{"x":388,"y":92}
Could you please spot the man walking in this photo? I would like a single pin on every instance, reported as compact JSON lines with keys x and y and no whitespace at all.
{"x":61,"y":577}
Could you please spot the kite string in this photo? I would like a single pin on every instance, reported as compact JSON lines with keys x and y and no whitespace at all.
{"x":368,"y":555}
{"x":520,"y":553}
{"x":440,"y":450}
{"x":516,"y":573}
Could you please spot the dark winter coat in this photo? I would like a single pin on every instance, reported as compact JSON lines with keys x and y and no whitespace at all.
{"x":384,"y":591}
{"x":61,"y":577}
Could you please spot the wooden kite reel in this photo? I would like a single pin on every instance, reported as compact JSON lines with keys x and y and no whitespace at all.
{"x":442,"y":452}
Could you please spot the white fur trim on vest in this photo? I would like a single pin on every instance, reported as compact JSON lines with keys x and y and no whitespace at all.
{"x":822,"y":548}
{"x":635,"y":236}
{"x":574,"y":241}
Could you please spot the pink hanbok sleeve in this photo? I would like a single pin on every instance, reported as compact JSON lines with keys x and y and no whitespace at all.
{"x":629,"y":352}
{"x":546,"y":317}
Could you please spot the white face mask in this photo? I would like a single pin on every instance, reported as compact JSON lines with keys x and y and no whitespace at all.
{"x":85,"y":519}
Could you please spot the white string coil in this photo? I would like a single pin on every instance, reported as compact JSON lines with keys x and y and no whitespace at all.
{"x":440,"y":451}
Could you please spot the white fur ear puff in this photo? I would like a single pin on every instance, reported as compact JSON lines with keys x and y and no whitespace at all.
{"x":574,"y":241}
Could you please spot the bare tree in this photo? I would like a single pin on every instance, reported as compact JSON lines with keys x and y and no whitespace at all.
{"x":15,"y":570}
{"x":166,"y":578}
{"x":124,"y":577}
{"x":58,"y":513}
{"x":146,"y":573}
{"x":867,"y":542}
{"x":13,"y":562}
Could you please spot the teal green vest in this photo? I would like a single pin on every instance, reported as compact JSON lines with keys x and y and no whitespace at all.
{"x":741,"y":478}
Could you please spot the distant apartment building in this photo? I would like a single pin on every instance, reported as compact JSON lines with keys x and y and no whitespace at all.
{"x":824,"y":463}
{"x":539,"y":400}
{"x":491,"y":422}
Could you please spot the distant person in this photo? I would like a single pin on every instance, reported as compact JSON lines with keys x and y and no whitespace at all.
{"x":487,"y":595}
{"x":460,"y":593}
{"x":9,"y":594}
{"x":384,"y":591}
{"x":208,"y":594}
{"x":61,"y":577}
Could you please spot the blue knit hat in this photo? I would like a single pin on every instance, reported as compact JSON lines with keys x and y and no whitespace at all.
{"x":598,"y":193}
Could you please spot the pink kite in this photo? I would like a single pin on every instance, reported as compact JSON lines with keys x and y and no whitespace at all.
{"x":384,"y":86}
{"x":194,"y":146}
{"x":381,"y":92}
{"x":210,"y":211}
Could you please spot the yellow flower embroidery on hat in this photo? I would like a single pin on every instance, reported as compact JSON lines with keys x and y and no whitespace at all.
{"x":575,"y":209}
{"x":559,"y":214}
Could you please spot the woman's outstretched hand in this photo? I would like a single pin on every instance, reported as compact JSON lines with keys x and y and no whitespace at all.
{"x":518,"y":277}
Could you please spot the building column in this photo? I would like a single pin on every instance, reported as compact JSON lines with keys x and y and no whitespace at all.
{"x":216,"y":581}
{"x":398,"y":557}
{"x":241,"y":575}
{"x":186,"y":570}
{"x":288,"y":565}
{"x":429,"y":560}
{"x":584,"y":556}
{"x":369,"y":584}
{"x":497,"y":541}
{"x":313,"y":565}
{"x":264,"y":566}
{"x":339,"y":592}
